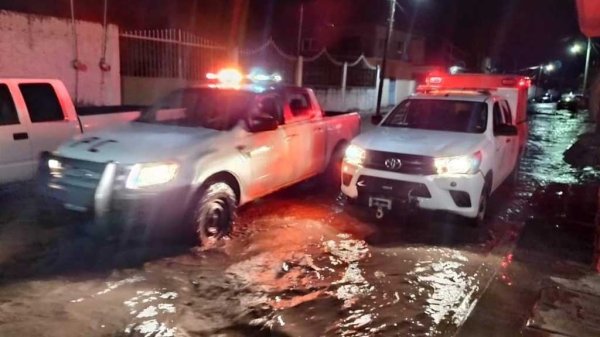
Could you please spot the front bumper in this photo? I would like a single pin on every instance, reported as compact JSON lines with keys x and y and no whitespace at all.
{"x":458,"y":194}
{"x":104,"y":199}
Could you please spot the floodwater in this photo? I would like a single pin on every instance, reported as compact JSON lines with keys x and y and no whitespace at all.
{"x":299,"y":263}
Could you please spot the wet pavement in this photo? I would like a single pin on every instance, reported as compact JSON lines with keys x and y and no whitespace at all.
{"x":300,"y":263}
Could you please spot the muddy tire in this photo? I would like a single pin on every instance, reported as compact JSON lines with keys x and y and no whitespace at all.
{"x":332,"y":177}
{"x":479,"y":219}
{"x":213,"y":212}
{"x":513,"y":178}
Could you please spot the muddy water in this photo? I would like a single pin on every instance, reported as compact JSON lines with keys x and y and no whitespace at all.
{"x":300,"y":263}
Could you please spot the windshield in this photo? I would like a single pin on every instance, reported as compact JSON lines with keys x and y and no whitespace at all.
{"x":200,"y":107}
{"x":439,"y":115}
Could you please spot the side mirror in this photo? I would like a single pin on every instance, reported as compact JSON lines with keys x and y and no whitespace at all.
{"x":506,"y":130}
{"x":262,"y":123}
{"x":376,"y":119}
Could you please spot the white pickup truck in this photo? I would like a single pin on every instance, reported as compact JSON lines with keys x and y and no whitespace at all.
{"x":447,"y":147}
{"x":37,"y":115}
{"x":195,"y":156}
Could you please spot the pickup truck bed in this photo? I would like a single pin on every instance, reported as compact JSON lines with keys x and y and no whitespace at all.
{"x":98,"y":117}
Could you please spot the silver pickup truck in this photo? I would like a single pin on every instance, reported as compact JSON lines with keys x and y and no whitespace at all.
{"x":195,"y":156}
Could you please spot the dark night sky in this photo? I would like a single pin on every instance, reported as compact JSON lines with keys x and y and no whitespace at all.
{"x":516,"y":33}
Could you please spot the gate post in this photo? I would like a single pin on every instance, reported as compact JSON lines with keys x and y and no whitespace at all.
{"x":344,"y":80}
{"x":299,"y":70}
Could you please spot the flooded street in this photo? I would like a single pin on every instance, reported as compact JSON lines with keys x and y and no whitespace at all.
{"x":299,"y":263}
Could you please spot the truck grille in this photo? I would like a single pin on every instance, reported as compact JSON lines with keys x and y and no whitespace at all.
{"x":374,"y":186}
{"x":76,"y":180}
{"x":404,"y":163}
{"x":78,"y":173}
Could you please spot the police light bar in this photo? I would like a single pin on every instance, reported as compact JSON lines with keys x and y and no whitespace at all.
{"x":228,"y":76}
{"x":434,"y":80}
{"x":232,"y":76}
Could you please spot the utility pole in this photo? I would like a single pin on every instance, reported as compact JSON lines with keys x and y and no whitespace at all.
{"x":300,"y":24}
{"x":587,"y":64}
{"x":384,"y":60}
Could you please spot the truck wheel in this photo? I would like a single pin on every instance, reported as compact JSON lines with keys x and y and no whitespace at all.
{"x":513,"y":178}
{"x":483,"y":206}
{"x":214,"y":212}
{"x":333,"y":174}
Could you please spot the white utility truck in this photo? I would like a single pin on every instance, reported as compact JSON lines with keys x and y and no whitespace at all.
{"x":447,"y":147}
{"x":196,"y":155}
{"x":37,"y":115}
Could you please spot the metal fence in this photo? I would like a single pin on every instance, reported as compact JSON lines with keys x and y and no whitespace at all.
{"x":270,"y":58}
{"x":168,"y":53}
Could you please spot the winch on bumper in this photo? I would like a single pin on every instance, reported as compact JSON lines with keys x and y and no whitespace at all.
{"x":97,"y":192}
{"x":457,"y":194}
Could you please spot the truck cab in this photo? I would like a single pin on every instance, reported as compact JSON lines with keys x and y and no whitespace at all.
{"x":447,"y":147}
{"x":36,"y":115}
{"x":196,"y":155}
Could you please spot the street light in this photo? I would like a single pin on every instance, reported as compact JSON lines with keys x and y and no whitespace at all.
{"x":576,"y":49}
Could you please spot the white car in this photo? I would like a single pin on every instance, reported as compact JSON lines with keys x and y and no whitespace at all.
{"x":438,"y":150}
{"x":195,"y":156}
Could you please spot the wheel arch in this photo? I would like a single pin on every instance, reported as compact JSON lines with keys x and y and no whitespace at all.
{"x":226,"y":177}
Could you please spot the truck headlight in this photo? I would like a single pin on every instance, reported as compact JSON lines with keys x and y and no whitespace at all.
{"x":54,"y":164}
{"x":147,"y":175}
{"x":355,"y":155}
{"x":458,"y":165}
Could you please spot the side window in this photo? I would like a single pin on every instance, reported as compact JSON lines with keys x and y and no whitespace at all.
{"x":270,"y":106}
{"x":41,"y":102}
{"x":498,"y":118}
{"x":299,"y":104}
{"x":8,"y":112}
{"x":506,"y":112}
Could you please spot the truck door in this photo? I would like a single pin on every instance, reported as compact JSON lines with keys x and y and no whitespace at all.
{"x":16,"y":156}
{"x":512,"y":146}
{"x":267,"y":152}
{"x":49,"y":124}
{"x":500,"y":143}
{"x":303,"y":145}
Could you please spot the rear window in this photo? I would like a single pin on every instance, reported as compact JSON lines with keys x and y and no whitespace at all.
{"x":8,"y":112}
{"x":42,"y":102}
{"x":216,"y":109}
{"x":439,"y":115}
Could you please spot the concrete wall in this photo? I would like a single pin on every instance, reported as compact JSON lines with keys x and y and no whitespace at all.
{"x":35,"y":46}
{"x":146,"y":90}
{"x":364,"y":98}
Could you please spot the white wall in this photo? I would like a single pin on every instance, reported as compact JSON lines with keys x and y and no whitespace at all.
{"x":42,"y":47}
{"x":364,"y":98}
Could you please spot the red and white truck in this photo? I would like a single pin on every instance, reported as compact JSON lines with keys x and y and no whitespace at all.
{"x":447,"y":147}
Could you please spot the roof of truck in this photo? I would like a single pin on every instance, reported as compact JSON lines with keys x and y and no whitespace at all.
{"x":255,"y":88}
{"x":458,"y":95}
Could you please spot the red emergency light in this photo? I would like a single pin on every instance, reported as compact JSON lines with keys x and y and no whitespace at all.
{"x":476,"y":81}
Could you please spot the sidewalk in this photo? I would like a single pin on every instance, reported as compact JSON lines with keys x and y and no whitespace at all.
{"x":546,"y":286}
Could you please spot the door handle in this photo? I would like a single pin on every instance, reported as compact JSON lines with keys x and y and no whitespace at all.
{"x":20,"y":136}
{"x":508,"y":140}
{"x":290,"y":136}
